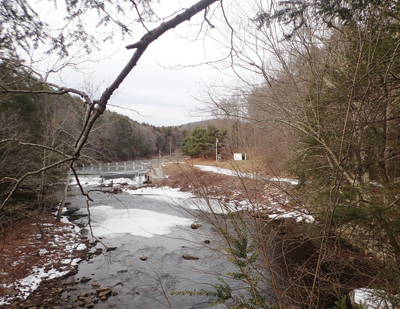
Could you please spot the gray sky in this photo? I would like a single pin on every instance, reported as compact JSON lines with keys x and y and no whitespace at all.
{"x":156,"y":91}
{"x":161,"y":94}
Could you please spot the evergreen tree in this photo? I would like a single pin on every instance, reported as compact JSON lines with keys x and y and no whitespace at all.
{"x":201,"y":142}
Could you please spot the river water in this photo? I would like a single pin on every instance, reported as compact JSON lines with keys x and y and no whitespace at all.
{"x":148,"y":232}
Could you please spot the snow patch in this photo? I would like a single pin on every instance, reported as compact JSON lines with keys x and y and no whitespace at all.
{"x":293,"y":214}
{"x":371,"y":298}
{"x":228,"y":172}
{"x":43,"y":252}
{"x":80,"y":247}
{"x":66,"y":239}
{"x":31,"y":283}
{"x":162,"y":193}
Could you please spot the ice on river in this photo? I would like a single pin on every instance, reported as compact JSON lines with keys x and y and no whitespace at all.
{"x":111,"y":222}
{"x":96,"y":180}
{"x":184,"y":200}
{"x":166,"y":194}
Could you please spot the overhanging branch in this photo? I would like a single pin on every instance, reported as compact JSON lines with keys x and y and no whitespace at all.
{"x":9,"y":140}
{"x":178,"y":19}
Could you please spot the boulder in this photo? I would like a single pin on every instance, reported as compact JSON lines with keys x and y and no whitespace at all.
{"x":122,"y":271}
{"x":195,"y":226}
{"x":84,"y":279}
{"x":104,"y":293}
{"x":96,"y":285}
{"x":189,"y":257}
{"x":83,"y":294}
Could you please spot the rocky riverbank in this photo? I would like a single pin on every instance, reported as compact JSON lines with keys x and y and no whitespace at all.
{"x":35,"y":255}
{"x":57,"y":256}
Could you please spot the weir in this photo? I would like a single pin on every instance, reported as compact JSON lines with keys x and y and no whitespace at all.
{"x":150,"y":170}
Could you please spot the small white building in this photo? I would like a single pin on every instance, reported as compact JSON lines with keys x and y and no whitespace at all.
{"x":239,"y":156}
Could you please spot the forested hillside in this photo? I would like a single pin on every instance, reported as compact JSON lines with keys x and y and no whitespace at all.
{"x":120,"y":138}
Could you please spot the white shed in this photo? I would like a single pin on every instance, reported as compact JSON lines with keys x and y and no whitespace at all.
{"x":239,"y":156}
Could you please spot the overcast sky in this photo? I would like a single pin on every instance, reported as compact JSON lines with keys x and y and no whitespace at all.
{"x":158,"y":93}
{"x":155,"y":92}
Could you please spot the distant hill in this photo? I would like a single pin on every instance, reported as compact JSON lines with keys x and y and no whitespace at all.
{"x":191,"y":125}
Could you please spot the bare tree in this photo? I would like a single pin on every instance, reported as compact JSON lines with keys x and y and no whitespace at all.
{"x":329,"y":88}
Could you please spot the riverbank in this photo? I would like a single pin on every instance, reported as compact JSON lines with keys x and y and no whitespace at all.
{"x":35,"y":254}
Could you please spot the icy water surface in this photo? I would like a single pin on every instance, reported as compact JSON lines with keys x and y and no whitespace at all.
{"x":151,"y":226}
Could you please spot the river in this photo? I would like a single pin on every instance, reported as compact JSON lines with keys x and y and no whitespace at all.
{"x":148,"y":231}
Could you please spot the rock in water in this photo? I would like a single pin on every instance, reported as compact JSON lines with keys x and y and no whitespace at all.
{"x":96,"y":285}
{"x":195,"y":226}
{"x":189,"y":257}
{"x":84,"y":279}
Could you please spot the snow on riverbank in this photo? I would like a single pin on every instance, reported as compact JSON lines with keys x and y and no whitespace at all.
{"x":166,"y":193}
{"x":38,"y":258}
{"x":184,"y":200}
{"x":273,"y":205}
{"x":228,"y":172}
{"x":371,"y":298}
{"x":216,"y":204}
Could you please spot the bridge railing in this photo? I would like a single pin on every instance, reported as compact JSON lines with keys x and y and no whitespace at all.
{"x":117,"y":166}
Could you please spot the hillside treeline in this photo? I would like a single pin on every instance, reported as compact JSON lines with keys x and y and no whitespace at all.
{"x":55,"y":121}
{"x":117,"y":138}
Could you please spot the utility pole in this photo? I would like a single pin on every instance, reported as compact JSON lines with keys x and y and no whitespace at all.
{"x":216,"y":150}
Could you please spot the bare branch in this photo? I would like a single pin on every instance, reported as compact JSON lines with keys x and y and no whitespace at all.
{"x":177,"y":20}
{"x":8,"y":140}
